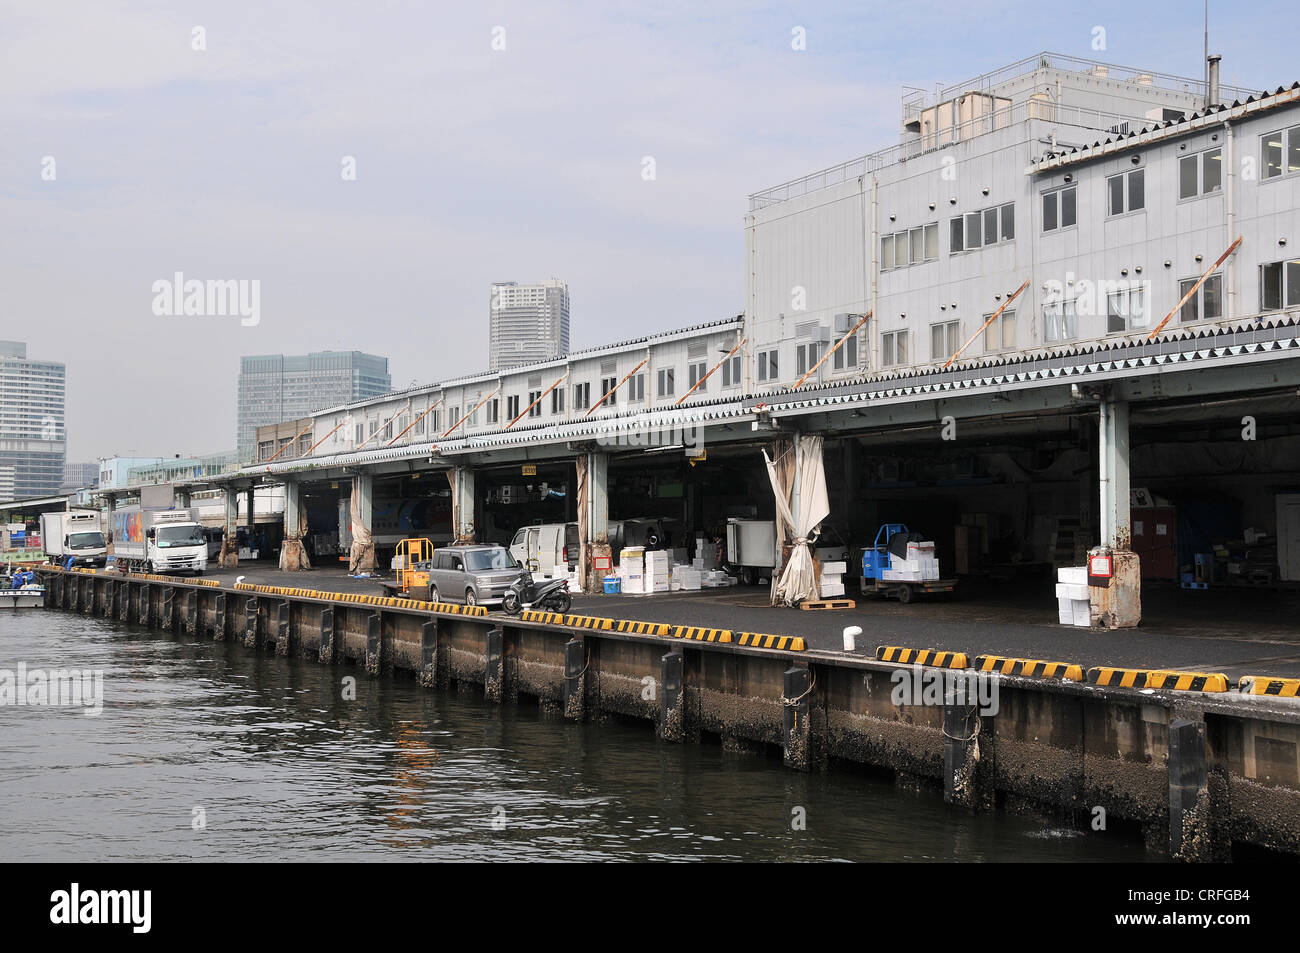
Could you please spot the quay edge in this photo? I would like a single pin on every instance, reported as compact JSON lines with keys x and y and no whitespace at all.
{"x":1225,"y":772}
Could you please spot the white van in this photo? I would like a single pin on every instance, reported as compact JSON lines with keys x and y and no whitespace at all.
{"x":546,"y":545}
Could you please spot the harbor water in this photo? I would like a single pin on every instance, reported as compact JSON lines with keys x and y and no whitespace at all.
{"x":210,"y":751}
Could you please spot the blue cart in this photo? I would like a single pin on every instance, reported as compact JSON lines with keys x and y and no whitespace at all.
{"x":875,"y":560}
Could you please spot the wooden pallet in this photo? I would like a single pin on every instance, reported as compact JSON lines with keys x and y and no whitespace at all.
{"x":828,"y":604}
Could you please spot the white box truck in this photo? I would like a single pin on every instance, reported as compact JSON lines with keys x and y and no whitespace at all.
{"x":76,"y":533}
{"x":157,"y":540}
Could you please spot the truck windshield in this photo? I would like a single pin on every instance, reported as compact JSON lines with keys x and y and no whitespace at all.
{"x":477,"y":560}
{"x":93,"y":540}
{"x":180,"y":536}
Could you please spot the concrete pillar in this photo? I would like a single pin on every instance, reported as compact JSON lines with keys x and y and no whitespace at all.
{"x":429,"y":674}
{"x":575,"y":680}
{"x":1113,"y":455}
{"x":374,"y":643}
{"x":182,"y":497}
{"x":597,"y":525}
{"x":362,"y":556}
{"x":229,"y":558}
{"x":671,"y":682}
{"x":326,"y":650}
{"x":1189,"y":795}
{"x":293,"y":556}
{"x":796,"y":735}
{"x":219,"y":619}
{"x":494,"y":652}
{"x":282,"y":629}
{"x":961,"y":748}
{"x":463,"y":505}
{"x":1116,"y":601}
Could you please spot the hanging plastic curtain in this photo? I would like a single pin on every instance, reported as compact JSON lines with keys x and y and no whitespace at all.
{"x":798,"y":580}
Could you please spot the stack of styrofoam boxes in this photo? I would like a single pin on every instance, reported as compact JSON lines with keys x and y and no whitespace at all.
{"x":631,"y":566}
{"x":658,"y":571}
{"x":918,"y":565}
{"x":716,"y":579}
{"x":687,"y":578}
{"x":832,"y":579}
{"x":1072,"y":595}
{"x":706,"y":555}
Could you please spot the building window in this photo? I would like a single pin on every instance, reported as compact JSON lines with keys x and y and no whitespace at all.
{"x":433,"y":420}
{"x":636,"y":387}
{"x":667,"y":387}
{"x":1279,"y":285}
{"x":1126,"y":310}
{"x":512,"y":406}
{"x":697,"y":371}
{"x":607,"y":384}
{"x":557,"y":400}
{"x":1274,"y":147}
{"x":943,"y":340}
{"x":360,"y":434}
{"x":1206,"y":304}
{"x":846,"y":355}
{"x":1001,"y":334}
{"x":1059,"y":209}
{"x":893,"y":348}
{"x":493,"y":410}
{"x":374,"y":425}
{"x":731,"y":371}
{"x":807,"y":355}
{"x":767,"y":365}
{"x":1126,"y":192}
{"x":1200,"y":174}
{"x":1060,"y":322}
{"x":582,"y":396}
{"x":910,"y":247}
{"x":534,"y":403}
{"x":990,"y":226}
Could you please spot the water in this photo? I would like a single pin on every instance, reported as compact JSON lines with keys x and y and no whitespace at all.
{"x":278,"y":765}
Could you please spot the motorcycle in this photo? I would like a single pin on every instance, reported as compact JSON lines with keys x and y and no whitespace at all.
{"x":524,"y":593}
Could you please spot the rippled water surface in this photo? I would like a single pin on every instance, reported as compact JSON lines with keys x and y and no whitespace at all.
{"x":279,"y":766}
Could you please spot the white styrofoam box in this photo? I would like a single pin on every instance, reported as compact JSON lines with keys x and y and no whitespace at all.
{"x":919,"y":550}
{"x":900,"y":575}
{"x":1068,"y":590}
{"x":1081,"y":611}
{"x":831,"y":589}
{"x":834,"y":569}
{"x":1065,"y":611}
{"x":1073,"y":575}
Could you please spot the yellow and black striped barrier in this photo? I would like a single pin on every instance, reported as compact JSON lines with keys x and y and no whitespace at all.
{"x":759,"y":640}
{"x":547,"y":618}
{"x":904,"y":656}
{"x":1263,"y":685}
{"x":1157,"y":679}
{"x":1029,"y":668}
{"x":643,"y":628}
{"x":589,"y":622}
{"x":701,"y":635}
{"x":365,"y":599}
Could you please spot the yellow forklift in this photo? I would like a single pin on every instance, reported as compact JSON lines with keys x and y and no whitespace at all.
{"x":414,"y":557}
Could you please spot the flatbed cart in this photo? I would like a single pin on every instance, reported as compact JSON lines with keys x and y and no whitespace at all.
{"x":875,"y":561}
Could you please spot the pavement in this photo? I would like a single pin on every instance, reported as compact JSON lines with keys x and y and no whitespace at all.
{"x":1229,"y":630}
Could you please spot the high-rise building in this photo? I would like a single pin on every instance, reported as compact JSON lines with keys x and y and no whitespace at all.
{"x":277,"y":387}
{"x":33,"y":438}
{"x":78,"y":475}
{"x":529,"y":323}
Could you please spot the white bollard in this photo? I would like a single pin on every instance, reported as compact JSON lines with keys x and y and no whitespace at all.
{"x":850,"y":633}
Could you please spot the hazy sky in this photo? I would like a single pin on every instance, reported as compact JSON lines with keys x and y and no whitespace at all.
{"x":472,"y":165}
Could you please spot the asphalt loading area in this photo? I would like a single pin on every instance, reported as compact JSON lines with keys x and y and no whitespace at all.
{"x":1236,"y":632}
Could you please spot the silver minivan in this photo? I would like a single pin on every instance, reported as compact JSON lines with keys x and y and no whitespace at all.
{"x":475,"y":575}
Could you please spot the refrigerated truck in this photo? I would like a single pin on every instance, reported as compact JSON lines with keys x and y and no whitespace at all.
{"x":76,"y":533}
{"x":157,"y":540}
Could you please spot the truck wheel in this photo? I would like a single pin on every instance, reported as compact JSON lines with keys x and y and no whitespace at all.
{"x":905,"y":594}
{"x":433,"y":593}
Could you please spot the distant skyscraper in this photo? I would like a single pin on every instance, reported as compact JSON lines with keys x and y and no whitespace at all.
{"x":277,"y":387}
{"x":529,"y":323}
{"x":33,"y":438}
{"x":78,"y":475}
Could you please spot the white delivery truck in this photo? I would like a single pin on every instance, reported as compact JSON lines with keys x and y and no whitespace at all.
{"x":158,"y":540}
{"x":76,"y":533}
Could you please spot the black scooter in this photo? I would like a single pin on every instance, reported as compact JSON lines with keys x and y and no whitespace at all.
{"x":524,"y":593}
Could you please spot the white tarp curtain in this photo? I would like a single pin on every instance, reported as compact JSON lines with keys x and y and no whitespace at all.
{"x":584,"y":540}
{"x":362,"y":555}
{"x":798,"y":582}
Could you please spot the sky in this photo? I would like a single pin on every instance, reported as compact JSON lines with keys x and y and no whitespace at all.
{"x":489,"y":141}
